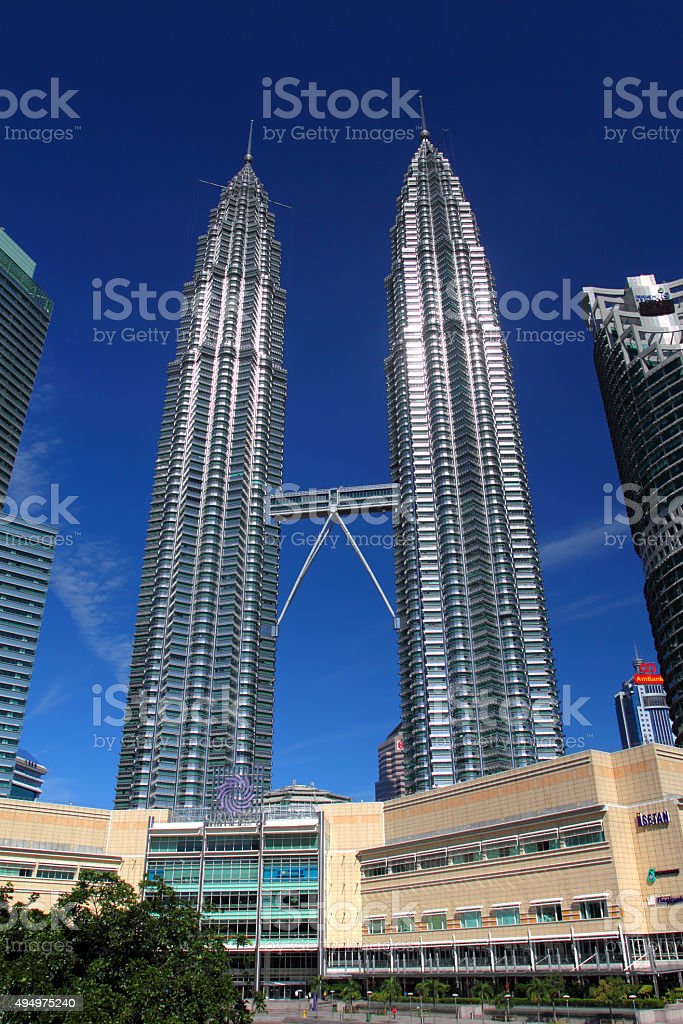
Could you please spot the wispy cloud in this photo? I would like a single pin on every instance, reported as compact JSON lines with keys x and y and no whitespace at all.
{"x":581,"y":544}
{"x":88,"y":581}
{"x":591,"y":606}
{"x":53,"y":697}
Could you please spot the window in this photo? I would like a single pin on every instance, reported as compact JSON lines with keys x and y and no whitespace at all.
{"x":307,"y":841}
{"x":398,"y":867}
{"x":465,"y":856}
{"x":591,"y":910}
{"x":61,"y":874}
{"x":541,"y":845}
{"x":584,"y":836}
{"x":470,"y":919}
{"x":507,"y":915}
{"x":509,"y":849}
{"x":373,"y":870}
{"x":437,"y":860}
{"x":223,"y":844}
{"x":405,"y":924}
{"x":175,"y":844}
{"x":376,"y":926}
{"x":17,"y":870}
{"x":436,"y":922}
{"x":548,"y":912}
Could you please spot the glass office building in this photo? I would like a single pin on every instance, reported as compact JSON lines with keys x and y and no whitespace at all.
{"x":25,"y":312}
{"x":478,"y":684}
{"x":201,"y":682}
{"x":26,"y":556}
{"x":26,"y":549}
{"x":638,"y":353}
{"x":256,"y":884}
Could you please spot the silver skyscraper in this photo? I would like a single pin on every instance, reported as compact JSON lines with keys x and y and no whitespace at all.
{"x":201,"y":684}
{"x":477,"y":675}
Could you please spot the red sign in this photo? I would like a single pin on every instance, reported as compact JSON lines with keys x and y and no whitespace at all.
{"x":647,"y":672}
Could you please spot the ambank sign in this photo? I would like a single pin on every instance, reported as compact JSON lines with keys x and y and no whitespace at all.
{"x":647,"y":672}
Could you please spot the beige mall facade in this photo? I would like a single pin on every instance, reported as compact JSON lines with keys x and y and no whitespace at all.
{"x":572,"y":866}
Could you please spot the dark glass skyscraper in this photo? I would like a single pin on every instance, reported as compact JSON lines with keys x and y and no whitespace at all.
{"x":26,"y":548}
{"x":201,"y":684}
{"x":25,"y":312}
{"x":477,"y":675}
{"x":638,"y":354}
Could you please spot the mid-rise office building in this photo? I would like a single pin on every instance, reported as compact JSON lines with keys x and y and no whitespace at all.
{"x":391,"y":782}
{"x":25,"y":312}
{"x":638,"y":352}
{"x":478,"y":687}
{"x":28,"y":777}
{"x":642,"y":709}
{"x":200,"y":700}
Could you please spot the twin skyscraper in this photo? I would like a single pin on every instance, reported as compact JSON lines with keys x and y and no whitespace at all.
{"x":477,"y":679}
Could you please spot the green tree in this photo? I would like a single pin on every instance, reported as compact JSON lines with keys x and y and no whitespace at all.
{"x":134,"y":960}
{"x":260,"y":1002}
{"x":538,"y":991}
{"x":610,"y":992}
{"x":483,"y":991}
{"x":349,"y":992}
{"x":389,"y":991}
{"x":432,"y":989}
{"x":555,"y":984}
{"x":317,"y":984}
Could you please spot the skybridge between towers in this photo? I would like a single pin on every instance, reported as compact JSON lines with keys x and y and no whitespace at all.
{"x":331,"y":505}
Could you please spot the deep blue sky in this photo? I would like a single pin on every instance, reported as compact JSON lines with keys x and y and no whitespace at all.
{"x":165,"y":94}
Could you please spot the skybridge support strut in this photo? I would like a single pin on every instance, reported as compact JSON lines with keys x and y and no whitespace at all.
{"x":332,"y":518}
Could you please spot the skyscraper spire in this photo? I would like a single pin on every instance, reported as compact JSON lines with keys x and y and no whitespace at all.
{"x":248,"y":158}
{"x":478,"y":688}
{"x":201,"y":685}
{"x":424,"y":134}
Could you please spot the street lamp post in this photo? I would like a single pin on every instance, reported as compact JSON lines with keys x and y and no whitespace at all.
{"x":410,"y":1006}
{"x":457,"y":1012}
{"x":507,"y":1006}
{"x":298,"y":1004}
{"x":566,"y":1003}
{"x":633,"y":998}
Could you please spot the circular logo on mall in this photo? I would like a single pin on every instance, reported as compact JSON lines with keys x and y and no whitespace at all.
{"x":235,"y":794}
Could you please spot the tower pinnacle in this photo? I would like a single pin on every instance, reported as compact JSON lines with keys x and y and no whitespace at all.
{"x":248,"y":158}
{"x":424,"y":134}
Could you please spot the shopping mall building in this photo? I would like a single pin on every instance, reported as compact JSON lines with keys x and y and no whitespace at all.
{"x":570,"y":866}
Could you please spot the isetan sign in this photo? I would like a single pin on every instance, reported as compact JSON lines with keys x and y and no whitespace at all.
{"x":656,"y":818}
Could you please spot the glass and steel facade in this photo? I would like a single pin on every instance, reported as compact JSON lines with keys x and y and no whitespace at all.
{"x":256,"y":884}
{"x":201,"y":683}
{"x":25,"y":312}
{"x":638,"y":355}
{"x":26,"y":556}
{"x":478,"y":684}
